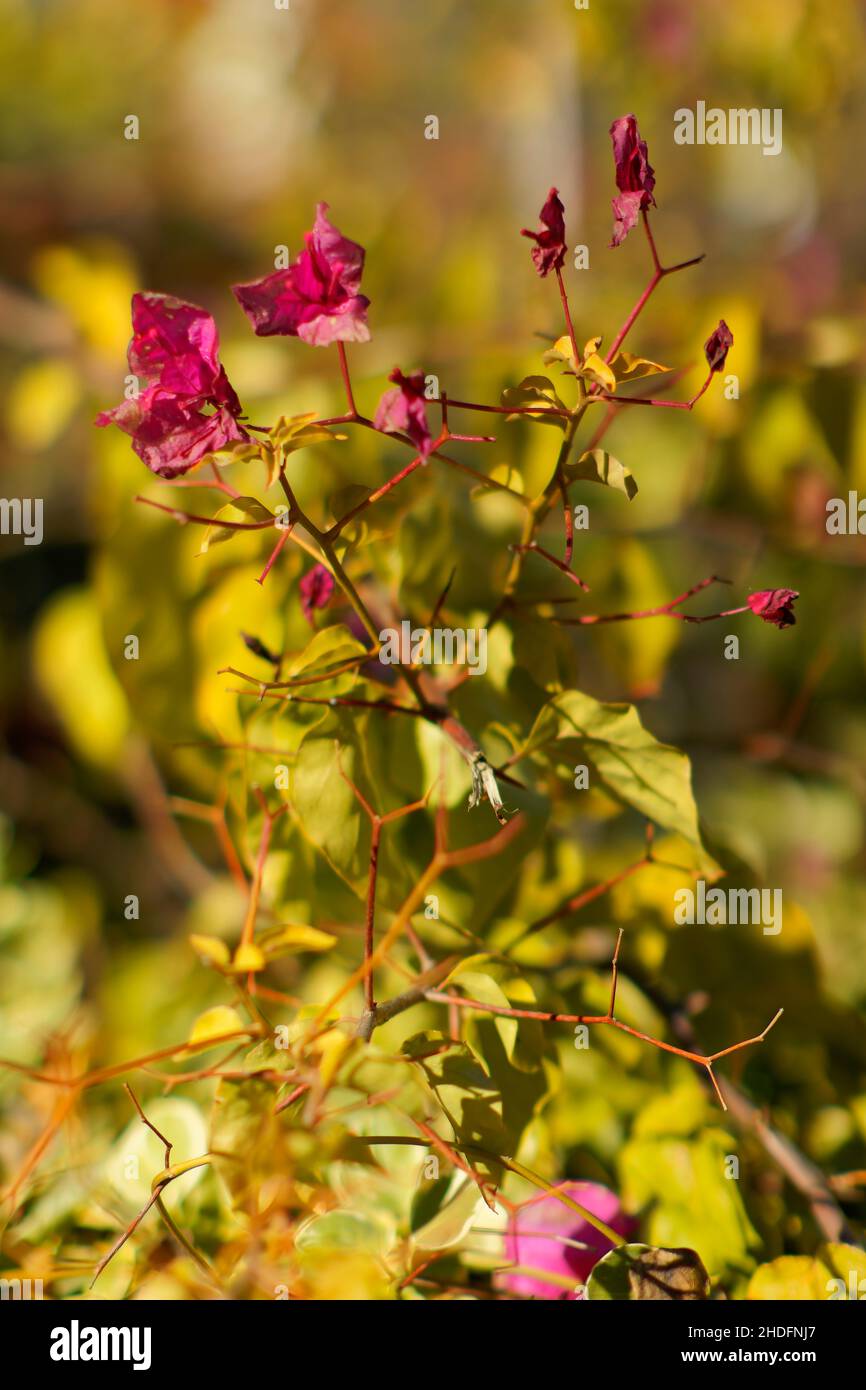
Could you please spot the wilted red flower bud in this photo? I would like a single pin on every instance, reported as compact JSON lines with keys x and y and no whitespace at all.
{"x":634,"y":177}
{"x":315,"y":588}
{"x":317,"y":298}
{"x":549,"y":253}
{"x":717,"y":345}
{"x":534,"y":1239}
{"x":403,"y":410}
{"x":774,"y":606}
{"x":174,"y":355}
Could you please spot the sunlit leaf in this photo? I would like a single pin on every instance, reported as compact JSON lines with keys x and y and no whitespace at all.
{"x":215,"y":1023}
{"x":293,"y":938}
{"x":634,"y":766}
{"x":248,"y":958}
{"x":211,"y":949}
{"x":628,"y":367}
{"x":598,"y":466}
{"x":535,"y":391}
{"x":648,"y":1272}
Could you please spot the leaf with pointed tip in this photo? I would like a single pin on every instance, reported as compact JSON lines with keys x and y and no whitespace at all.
{"x":598,"y":466}
{"x":535,"y":391}
{"x":248,"y":506}
{"x":628,"y":367}
{"x":633,"y":766}
{"x":598,"y":370}
{"x":293,"y":937}
{"x":562,"y":351}
{"x":331,"y":646}
{"x":291,"y":433}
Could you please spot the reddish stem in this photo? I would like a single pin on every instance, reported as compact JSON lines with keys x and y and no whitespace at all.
{"x":509,"y":409}
{"x":207,"y":520}
{"x":659,"y":273}
{"x":566,"y":310}
{"x":380,"y":492}
{"x":536,"y":549}
{"x":376,"y":833}
{"x":347,"y":380}
{"x":568,"y":517}
{"x":275,"y":553}
{"x":653,"y":400}
{"x":663,"y":610}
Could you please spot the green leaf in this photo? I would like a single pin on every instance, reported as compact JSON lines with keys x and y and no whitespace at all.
{"x":837,"y":1273}
{"x":246,"y":1138}
{"x":468,"y":1096}
{"x":451,"y":1222}
{"x":649,"y":1272}
{"x":478,"y":985}
{"x":683,"y":1185}
{"x":428,"y":1200}
{"x":598,"y":466}
{"x":138,"y":1155}
{"x":344,"y":1230}
{"x":251,"y":507}
{"x":247,"y":506}
{"x":790,"y":1277}
{"x":291,"y":433}
{"x":633,"y":766}
{"x":327,"y":810}
{"x":329,"y":647}
{"x":535,"y":390}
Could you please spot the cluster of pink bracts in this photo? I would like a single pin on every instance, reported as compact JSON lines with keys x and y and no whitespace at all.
{"x":185,"y":409}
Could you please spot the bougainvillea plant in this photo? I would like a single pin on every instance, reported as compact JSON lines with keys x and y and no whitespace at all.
{"x":351,"y":1156}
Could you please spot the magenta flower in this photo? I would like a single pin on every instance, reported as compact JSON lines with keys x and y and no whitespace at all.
{"x":549,"y":252}
{"x":634,"y":177}
{"x":403,"y":410}
{"x":317,"y":298}
{"x":187,"y":408}
{"x":717,"y":346}
{"x":774,"y":606}
{"x":315,"y":588}
{"x":534,"y":1239}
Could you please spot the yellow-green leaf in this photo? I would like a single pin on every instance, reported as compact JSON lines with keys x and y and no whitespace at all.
{"x":252,"y":507}
{"x":248,"y":957}
{"x":211,"y":948}
{"x":598,"y":466}
{"x":215,"y":1023}
{"x":596,"y":367}
{"x":535,"y":391}
{"x":628,"y":367}
{"x":297,"y":432}
{"x":329,"y":647}
{"x":217,"y":534}
{"x":294,"y":937}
